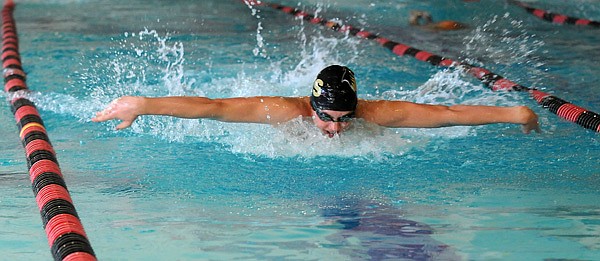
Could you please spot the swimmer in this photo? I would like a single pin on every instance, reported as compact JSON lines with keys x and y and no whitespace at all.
{"x":333,"y":106}
{"x":424,"y":20}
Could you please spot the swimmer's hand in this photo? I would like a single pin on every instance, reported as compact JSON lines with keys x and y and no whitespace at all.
{"x":529,"y":120}
{"x":126,"y":109}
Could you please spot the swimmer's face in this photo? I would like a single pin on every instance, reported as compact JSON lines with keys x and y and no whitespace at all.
{"x":332,"y":122}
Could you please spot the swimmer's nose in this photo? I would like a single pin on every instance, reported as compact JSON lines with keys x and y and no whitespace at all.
{"x":336,"y":127}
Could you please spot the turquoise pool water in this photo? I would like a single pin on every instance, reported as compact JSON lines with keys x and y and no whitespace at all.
{"x":172,"y":189}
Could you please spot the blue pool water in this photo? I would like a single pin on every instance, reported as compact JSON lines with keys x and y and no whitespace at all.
{"x":173,"y":189}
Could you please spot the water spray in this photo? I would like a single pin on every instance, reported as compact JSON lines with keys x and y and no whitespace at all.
{"x":562,"y":108}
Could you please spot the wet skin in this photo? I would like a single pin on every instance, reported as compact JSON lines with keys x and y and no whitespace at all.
{"x":332,"y":128}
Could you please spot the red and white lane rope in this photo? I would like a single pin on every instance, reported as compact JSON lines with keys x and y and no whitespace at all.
{"x":554,"y":17}
{"x":568,"y":111}
{"x":66,"y":236}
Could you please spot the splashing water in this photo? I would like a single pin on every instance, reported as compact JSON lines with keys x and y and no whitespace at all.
{"x":295,"y":138}
{"x":149,"y":64}
{"x":260,"y":49}
{"x":491,"y":40}
{"x":300,"y":137}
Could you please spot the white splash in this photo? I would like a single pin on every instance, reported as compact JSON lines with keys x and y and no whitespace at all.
{"x":495,"y":42}
{"x":149,"y":64}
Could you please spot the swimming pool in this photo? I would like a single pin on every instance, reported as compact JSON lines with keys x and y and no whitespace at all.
{"x":172,"y":189}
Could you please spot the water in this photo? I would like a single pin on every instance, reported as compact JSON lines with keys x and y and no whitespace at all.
{"x":173,"y":189}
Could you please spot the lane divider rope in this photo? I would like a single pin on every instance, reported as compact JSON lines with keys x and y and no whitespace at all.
{"x":554,"y":17}
{"x":66,"y":236}
{"x":566,"y":110}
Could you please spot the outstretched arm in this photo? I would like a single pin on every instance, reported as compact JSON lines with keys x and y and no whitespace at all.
{"x":413,"y":115}
{"x":269,"y":110}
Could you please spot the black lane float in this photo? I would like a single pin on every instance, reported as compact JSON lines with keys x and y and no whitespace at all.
{"x":554,"y":17}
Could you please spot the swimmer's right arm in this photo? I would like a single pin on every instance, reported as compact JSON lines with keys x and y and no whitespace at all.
{"x":252,"y":109}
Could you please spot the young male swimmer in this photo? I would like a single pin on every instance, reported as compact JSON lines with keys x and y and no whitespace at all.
{"x":333,"y":105}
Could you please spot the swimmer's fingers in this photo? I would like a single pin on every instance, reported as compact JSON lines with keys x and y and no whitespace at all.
{"x":531,"y":126}
{"x":528,"y":129}
{"x":124,"y":124}
{"x":109,"y":113}
{"x":124,"y":109}
{"x":104,"y":115}
{"x":527,"y":118}
{"x":537,"y":128}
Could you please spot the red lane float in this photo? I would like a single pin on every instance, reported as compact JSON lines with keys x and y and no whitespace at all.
{"x":66,"y":237}
{"x":555,"y":18}
{"x":567,"y":110}
{"x":43,"y":166}
{"x":52,"y":192}
{"x":495,"y":82}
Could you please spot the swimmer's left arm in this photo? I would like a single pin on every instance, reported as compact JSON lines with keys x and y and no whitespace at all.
{"x":398,"y":114}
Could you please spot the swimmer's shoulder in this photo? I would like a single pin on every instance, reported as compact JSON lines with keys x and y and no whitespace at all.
{"x":367,"y":108}
{"x":382,"y":112}
{"x":302,"y":102}
{"x":293,"y":106}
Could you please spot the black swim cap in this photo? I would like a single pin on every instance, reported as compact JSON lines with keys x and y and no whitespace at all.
{"x":334,"y":89}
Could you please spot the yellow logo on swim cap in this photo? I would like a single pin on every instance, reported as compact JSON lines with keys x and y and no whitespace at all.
{"x":316,"y":91}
